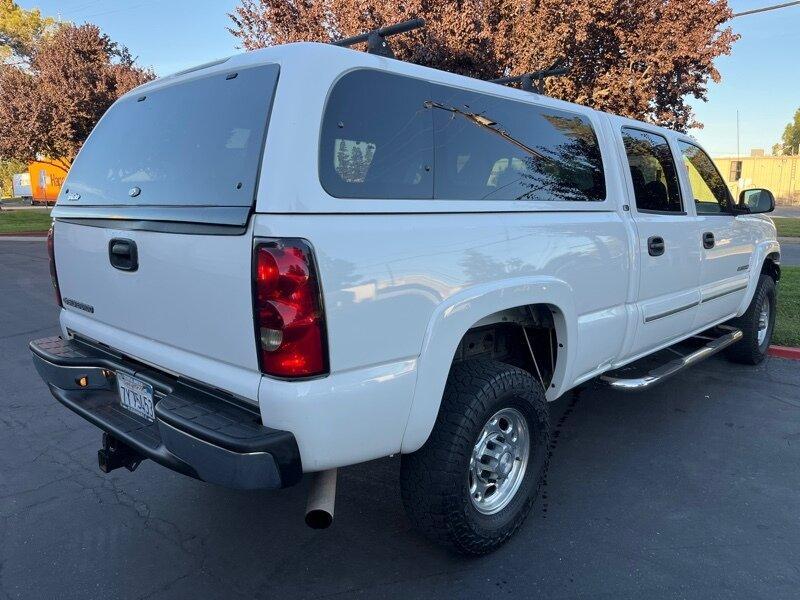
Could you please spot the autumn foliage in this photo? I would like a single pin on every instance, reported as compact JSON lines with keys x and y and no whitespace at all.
{"x":49,"y":106}
{"x":639,"y":58}
{"x":20,"y":31}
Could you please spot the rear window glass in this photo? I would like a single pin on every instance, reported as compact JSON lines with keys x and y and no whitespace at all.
{"x":194,"y":143}
{"x":388,"y":136}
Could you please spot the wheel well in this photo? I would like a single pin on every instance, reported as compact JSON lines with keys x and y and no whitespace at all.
{"x":772,"y":266}
{"x":525,"y":336}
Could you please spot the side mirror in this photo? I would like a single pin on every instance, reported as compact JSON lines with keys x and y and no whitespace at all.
{"x":757,"y":201}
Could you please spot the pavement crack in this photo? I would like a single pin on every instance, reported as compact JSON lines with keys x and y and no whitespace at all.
{"x":163,"y":588}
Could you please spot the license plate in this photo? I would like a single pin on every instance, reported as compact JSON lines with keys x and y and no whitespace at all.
{"x":136,"y":396}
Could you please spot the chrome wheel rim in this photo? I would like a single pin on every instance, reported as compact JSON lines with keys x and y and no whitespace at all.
{"x":499,"y":460}
{"x":763,"y":323}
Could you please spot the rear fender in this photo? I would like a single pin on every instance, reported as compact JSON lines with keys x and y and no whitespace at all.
{"x":461,"y":312}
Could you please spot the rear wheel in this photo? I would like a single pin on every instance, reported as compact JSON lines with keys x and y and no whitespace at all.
{"x":474,"y":481}
{"x":756,"y":324}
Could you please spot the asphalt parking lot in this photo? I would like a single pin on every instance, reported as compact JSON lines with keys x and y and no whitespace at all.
{"x":688,"y":491}
{"x":790,"y":254}
{"x":783,"y":210}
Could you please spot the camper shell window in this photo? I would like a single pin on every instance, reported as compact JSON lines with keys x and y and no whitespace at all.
{"x":193,"y":143}
{"x":388,"y":136}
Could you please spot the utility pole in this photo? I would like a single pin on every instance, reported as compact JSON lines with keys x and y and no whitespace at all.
{"x":738,"y":153}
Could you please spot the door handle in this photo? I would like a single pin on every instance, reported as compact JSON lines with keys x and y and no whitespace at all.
{"x":708,"y":240}
{"x":123,"y":254}
{"x":655,"y":245}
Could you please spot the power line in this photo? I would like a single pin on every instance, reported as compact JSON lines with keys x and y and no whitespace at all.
{"x":92,"y":4}
{"x":766,"y":8}
{"x":117,"y":10}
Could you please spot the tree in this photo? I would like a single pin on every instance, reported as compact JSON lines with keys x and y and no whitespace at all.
{"x":357,"y":163}
{"x":20,"y":31}
{"x":640,"y":59}
{"x":9,"y":168}
{"x":790,"y":140}
{"x":48,"y":109}
{"x":343,"y":162}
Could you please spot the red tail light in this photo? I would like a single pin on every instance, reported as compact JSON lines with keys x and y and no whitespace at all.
{"x":288,"y":310}
{"x":51,"y":253}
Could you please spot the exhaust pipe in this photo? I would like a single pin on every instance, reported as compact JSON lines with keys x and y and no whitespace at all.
{"x":321,"y":499}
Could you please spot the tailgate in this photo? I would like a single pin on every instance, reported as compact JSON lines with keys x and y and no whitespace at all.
{"x":189,"y":292}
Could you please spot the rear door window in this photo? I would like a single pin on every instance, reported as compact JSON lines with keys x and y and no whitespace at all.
{"x":377,"y":138}
{"x":652,"y":168}
{"x":193,"y":143}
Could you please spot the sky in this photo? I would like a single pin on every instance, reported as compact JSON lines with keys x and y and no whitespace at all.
{"x":760,"y":78}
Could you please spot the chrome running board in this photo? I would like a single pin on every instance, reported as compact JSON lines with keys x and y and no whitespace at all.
{"x":669,"y":369}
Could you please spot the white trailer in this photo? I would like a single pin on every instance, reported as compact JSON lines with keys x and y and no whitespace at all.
{"x":21,"y":185}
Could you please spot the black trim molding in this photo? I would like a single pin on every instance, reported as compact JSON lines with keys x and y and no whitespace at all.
{"x":160,"y":226}
{"x":208,"y":215}
{"x":725,"y":293}
{"x":670,"y":312}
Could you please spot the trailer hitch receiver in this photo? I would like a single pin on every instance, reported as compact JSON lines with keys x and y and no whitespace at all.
{"x":115,"y":455}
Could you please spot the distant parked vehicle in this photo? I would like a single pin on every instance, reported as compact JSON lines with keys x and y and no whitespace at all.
{"x":21,"y":186}
{"x":308,"y":257}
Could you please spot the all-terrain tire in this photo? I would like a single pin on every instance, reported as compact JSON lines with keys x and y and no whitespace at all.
{"x":748,"y":350}
{"x":435,"y":479}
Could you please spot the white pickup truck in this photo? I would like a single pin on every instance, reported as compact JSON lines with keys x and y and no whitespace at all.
{"x":307,"y":257}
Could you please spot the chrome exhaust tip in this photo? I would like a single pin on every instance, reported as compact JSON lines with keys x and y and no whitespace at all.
{"x":321,"y":500}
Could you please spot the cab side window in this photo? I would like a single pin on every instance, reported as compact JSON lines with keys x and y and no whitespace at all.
{"x":655,"y":181}
{"x":711,"y":195}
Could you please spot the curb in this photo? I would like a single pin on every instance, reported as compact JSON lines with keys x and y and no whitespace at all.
{"x":22,"y":238}
{"x":24,"y":234}
{"x":19,"y":234}
{"x":784,"y":352}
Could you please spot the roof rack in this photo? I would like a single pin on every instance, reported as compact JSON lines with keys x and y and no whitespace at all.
{"x":527,"y":80}
{"x":376,"y":39}
{"x":377,"y":44}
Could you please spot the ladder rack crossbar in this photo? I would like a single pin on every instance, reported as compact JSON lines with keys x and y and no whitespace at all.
{"x":376,"y":39}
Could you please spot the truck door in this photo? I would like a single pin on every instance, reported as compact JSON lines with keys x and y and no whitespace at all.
{"x":667,"y":252}
{"x":726,"y":241}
